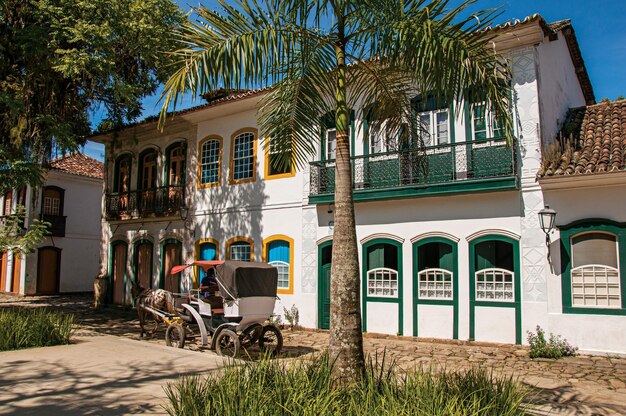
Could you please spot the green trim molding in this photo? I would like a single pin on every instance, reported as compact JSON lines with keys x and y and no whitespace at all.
{"x":506,"y":183}
{"x":365,"y":298}
{"x":454,"y":303}
{"x":516,"y":304}
{"x":583,"y":226}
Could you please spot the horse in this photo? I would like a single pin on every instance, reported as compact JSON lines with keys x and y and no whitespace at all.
{"x":157,"y":299}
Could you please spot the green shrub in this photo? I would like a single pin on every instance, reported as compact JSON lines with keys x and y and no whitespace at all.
{"x":33,"y":327}
{"x":554,"y":347}
{"x":306,"y":387}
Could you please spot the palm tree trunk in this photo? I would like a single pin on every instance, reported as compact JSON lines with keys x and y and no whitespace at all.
{"x":346,"y":338}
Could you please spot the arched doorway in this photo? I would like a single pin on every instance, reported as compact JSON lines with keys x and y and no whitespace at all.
{"x":435,"y":288}
{"x":382,"y":286}
{"x":48,"y":270}
{"x":172,"y":256}
{"x":118,"y":268}
{"x":143,"y":263}
{"x":324,"y":258}
{"x":495,"y":310}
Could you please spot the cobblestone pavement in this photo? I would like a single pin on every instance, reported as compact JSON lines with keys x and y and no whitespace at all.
{"x":581,"y":385}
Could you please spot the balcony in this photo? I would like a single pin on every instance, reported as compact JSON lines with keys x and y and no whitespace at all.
{"x":158,"y":202}
{"x":57,"y":224}
{"x":475,"y":166}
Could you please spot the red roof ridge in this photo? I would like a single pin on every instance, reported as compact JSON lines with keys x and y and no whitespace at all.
{"x":78,"y":163}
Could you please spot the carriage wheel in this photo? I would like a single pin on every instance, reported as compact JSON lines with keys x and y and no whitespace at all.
{"x":271,"y":340}
{"x":251,"y":335}
{"x":227,"y":343}
{"x":175,"y":336}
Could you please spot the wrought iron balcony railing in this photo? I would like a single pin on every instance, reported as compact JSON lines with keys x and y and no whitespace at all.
{"x":450,"y":163}
{"x":57,"y":224}
{"x":161,"y":201}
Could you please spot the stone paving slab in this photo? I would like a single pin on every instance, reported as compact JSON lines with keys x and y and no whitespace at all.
{"x":581,"y":385}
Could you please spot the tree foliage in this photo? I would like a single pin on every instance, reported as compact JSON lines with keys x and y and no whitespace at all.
{"x":61,"y":59}
{"x":15,"y":238}
{"x":330,"y":56}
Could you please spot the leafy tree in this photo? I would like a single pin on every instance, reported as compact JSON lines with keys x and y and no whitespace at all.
{"x":61,"y":59}
{"x":14,"y":237}
{"x":321,"y":56}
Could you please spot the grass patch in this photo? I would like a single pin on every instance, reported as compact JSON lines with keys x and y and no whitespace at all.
{"x":268,"y":387}
{"x":33,"y":327}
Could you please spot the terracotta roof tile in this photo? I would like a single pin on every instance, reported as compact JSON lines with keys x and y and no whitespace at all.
{"x":79,"y":164}
{"x":593,"y":141}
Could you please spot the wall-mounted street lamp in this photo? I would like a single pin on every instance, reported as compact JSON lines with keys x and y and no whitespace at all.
{"x":183,"y":211}
{"x":547,"y":217}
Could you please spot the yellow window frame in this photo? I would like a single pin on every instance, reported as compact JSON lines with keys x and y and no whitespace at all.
{"x":290,"y":241}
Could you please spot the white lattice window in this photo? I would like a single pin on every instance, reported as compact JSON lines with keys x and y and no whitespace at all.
{"x":382,"y":282}
{"x":283,"y":273}
{"x":495,"y":285}
{"x":435,"y":284}
{"x":595,"y":271}
{"x":596,"y":285}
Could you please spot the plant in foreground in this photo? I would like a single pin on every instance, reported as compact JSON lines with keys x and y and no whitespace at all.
{"x":34,"y":327}
{"x":553,"y":347}
{"x":307,"y":387}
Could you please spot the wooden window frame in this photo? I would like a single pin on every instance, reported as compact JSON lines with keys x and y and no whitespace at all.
{"x":267,"y":174}
{"x":290,"y":241}
{"x":61,"y":202}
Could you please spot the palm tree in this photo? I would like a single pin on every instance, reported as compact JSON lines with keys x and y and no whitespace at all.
{"x":329,"y":56}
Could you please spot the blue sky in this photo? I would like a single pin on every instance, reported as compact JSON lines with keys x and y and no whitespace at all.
{"x":599,"y":25}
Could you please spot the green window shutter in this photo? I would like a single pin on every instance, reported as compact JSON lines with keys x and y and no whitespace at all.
{"x":446,"y":257}
{"x":485,"y":255}
{"x":376,"y":256}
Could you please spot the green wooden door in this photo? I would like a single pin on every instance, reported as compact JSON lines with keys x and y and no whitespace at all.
{"x":324,"y":258}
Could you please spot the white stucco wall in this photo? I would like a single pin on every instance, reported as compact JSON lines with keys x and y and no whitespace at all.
{"x":559,"y":88}
{"x":591,"y":333}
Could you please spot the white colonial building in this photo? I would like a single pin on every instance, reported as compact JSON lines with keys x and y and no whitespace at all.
{"x":67,"y":259}
{"x":451,"y":245}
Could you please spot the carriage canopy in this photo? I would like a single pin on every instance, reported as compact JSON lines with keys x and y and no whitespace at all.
{"x":242,"y":279}
{"x":239,"y":279}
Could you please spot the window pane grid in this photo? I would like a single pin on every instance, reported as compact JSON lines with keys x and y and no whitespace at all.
{"x":434,"y":127}
{"x":283,"y":273}
{"x":495,"y":285}
{"x":382,"y":282}
{"x":209,"y":161}
{"x":240,"y":252}
{"x":435,"y":284}
{"x":51,"y":206}
{"x":243,"y":156}
{"x":596,"y":285}
{"x":331,"y":143}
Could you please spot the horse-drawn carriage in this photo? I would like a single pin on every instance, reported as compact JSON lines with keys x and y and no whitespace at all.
{"x":236,"y":314}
